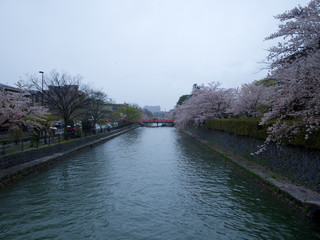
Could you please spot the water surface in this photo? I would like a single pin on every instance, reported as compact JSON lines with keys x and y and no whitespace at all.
{"x":150,"y":183}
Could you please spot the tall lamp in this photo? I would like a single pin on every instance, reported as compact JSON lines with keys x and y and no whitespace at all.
{"x":42,"y":87}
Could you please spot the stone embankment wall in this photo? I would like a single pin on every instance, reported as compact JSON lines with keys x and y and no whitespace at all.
{"x":9,"y":161}
{"x":16,"y":167}
{"x":301,"y":166}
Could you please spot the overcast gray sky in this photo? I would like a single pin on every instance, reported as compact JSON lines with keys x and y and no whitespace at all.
{"x":148,"y":52}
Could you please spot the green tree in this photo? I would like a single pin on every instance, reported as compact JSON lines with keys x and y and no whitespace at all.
{"x":183,"y":98}
{"x":131,"y":113}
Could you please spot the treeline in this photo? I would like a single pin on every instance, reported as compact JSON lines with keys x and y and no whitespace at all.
{"x":39,"y":102}
{"x":288,"y":103}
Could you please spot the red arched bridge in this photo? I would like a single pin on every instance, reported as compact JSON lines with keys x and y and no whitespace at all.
{"x":157,"y":121}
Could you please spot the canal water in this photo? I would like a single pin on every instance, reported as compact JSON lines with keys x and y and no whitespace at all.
{"x":150,"y":183}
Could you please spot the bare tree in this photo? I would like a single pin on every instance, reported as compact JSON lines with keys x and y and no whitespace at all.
{"x":97,"y":108}
{"x":146,"y":114}
{"x":63,"y":94}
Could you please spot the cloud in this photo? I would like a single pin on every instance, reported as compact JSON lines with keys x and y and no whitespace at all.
{"x":145,"y":52}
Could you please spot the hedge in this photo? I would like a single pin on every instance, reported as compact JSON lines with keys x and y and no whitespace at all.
{"x":242,"y":126}
{"x":250,"y":127}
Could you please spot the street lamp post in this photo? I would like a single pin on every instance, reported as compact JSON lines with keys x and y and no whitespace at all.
{"x":42,"y":87}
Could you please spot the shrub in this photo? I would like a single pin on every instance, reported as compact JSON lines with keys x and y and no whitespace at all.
{"x":250,"y":127}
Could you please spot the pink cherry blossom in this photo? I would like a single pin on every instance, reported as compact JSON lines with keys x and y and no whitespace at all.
{"x":16,"y":110}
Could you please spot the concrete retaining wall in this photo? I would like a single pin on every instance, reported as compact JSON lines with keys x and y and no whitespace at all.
{"x":11,"y":160}
{"x":301,"y":166}
{"x":229,"y":146}
{"x":21,"y":165}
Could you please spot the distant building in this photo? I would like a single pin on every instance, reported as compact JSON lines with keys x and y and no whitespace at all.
{"x":35,"y":97}
{"x":65,"y":89}
{"x":153,"y":109}
{"x":115,"y":106}
{"x":32,"y":94}
{"x":9,"y":88}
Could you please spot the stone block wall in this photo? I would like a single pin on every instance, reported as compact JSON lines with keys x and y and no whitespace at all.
{"x":11,"y":160}
{"x":301,"y":166}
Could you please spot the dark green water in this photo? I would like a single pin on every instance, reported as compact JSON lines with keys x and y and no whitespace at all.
{"x":151,"y":183}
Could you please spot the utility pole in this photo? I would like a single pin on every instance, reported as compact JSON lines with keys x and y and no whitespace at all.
{"x":42,"y":87}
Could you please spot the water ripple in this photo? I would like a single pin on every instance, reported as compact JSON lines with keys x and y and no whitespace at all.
{"x":151,"y":183}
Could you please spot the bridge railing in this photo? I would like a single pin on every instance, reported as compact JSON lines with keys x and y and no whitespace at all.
{"x":157,"y":121}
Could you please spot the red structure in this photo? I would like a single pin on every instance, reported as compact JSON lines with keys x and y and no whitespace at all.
{"x":156,"y":121}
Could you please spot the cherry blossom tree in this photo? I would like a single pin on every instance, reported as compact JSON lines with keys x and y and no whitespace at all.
{"x":295,"y":65}
{"x":16,"y":110}
{"x":207,"y":101}
{"x":252,"y":100}
{"x":184,"y":114}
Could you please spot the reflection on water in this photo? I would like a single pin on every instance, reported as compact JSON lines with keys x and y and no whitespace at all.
{"x":151,"y":183}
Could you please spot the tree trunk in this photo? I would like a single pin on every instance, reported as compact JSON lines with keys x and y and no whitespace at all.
{"x":65,"y":131}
